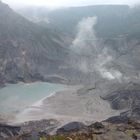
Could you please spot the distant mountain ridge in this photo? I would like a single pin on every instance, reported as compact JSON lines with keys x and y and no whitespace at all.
{"x":113,"y":20}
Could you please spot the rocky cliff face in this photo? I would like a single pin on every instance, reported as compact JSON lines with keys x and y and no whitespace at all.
{"x":78,"y":130}
{"x":27,"y":51}
{"x":127,"y":97}
{"x":7,"y":131}
{"x":31,"y":52}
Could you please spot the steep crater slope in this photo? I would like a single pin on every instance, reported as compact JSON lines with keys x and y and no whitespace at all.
{"x":27,"y":52}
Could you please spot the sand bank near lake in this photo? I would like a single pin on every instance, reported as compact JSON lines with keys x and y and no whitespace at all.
{"x":69,"y":105}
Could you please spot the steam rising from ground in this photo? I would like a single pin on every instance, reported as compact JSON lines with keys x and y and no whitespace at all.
{"x":101,"y":66}
{"x":92,"y":57}
{"x":85,"y":39}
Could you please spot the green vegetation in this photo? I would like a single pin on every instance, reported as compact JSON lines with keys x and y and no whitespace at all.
{"x":56,"y":138}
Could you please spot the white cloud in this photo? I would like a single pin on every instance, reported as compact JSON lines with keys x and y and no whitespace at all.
{"x":58,"y":3}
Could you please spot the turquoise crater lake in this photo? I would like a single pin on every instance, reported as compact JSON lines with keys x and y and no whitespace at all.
{"x":16,"y":97}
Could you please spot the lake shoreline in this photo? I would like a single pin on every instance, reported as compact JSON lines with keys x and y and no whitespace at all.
{"x":24,"y":116}
{"x":68,"y":105}
{"x":17,"y":97}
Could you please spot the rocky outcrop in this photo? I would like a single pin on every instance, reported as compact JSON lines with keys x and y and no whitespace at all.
{"x":126,"y":97}
{"x":72,"y":127}
{"x":104,"y":131}
{"x":40,"y":125}
{"x":95,"y":131}
{"x":28,"y":131}
{"x":7,"y":131}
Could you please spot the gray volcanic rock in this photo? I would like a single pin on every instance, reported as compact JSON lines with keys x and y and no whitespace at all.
{"x":7,"y":131}
{"x":72,"y":127}
{"x":126,"y":96}
{"x":40,"y":125}
{"x":27,"y":52}
{"x":39,"y":52}
{"x":77,"y":130}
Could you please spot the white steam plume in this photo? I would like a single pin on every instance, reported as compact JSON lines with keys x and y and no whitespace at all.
{"x":85,"y":39}
{"x":101,"y":66}
{"x":91,"y":56}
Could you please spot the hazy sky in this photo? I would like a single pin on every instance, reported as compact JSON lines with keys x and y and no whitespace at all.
{"x":59,"y":3}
